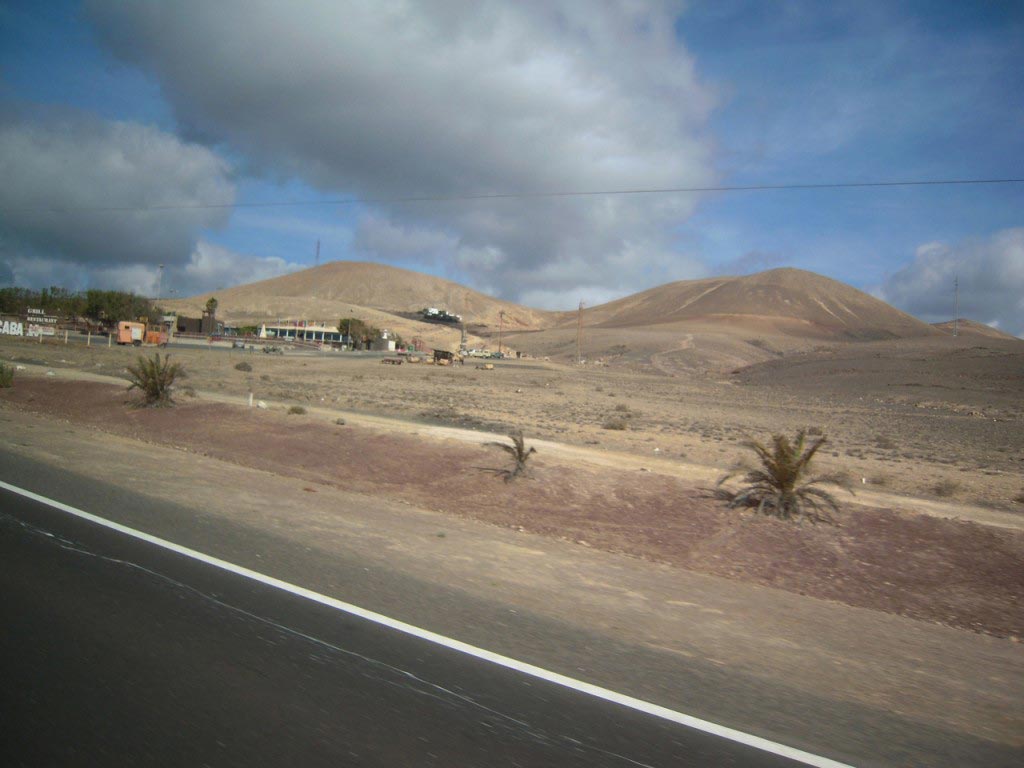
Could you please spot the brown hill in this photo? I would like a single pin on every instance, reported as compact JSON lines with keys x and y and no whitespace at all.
{"x":722,"y":323}
{"x":713,"y":324}
{"x":788,"y":301}
{"x":338,"y":288}
{"x":973,"y":328}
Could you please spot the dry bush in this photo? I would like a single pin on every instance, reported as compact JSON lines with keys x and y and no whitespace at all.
{"x":518,"y":453}
{"x":155,"y":379}
{"x":782,"y":486}
{"x":616,"y":423}
{"x":243,"y":366}
{"x":1019,"y":498}
{"x":296,"y":410}
{"x":6,"y":376}
{"x":946,"y":488}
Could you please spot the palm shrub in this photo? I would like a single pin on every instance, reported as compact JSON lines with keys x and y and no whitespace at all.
{"x":518,"y":453}
{"x":155,"y":379}
{"x":6,"y":376}
{"x":782,"y":485}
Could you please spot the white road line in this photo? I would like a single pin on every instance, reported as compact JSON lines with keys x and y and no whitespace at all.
{"x":457,"y":645}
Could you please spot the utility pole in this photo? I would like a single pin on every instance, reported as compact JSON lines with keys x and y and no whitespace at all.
{"x":956,"y":305}
{"x":579,"y":335}
{"x":317,"y":261}
{"x":159,"y":281}
{"x":501,"y":322}
{"x":465,"y":307}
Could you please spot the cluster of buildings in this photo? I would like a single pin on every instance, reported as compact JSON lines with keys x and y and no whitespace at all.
{"x":319,"y":333}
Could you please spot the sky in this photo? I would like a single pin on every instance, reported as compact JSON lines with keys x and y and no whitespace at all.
{"x":225,"y":140}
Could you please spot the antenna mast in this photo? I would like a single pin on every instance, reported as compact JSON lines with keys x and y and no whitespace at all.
{"x":317,"y":263}
{"x":956,"y":305}
{"x":501,"y":323}
{"x":579,"y":335}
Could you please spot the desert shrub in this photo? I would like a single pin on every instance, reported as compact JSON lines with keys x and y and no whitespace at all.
{"x":815,"y":431}
{"x":881,"y":480}
{"x":622,"y":408}
{"x":781,"y":485}
{"x":615,"y":422}
{"x":155,"y":379}
{"x":883,"y":442}
{"x":518,"y":453}
{"x":946,"y":488}
{"x":243,"y":366}
{"x":296,"y":410}
{"x":1019,"y":498}
{"x":6,"y":376}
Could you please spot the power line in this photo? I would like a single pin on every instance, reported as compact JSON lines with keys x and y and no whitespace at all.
{"x":512,"y":196}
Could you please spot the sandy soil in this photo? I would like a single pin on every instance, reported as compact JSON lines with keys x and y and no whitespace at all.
{"x":929,"y":419}
{"x":952,"y":572}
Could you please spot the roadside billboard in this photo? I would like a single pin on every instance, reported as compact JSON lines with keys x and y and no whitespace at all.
{"x":11,"y":326}
{"x":38,"y":323}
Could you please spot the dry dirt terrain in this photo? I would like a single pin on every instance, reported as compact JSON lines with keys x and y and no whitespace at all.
{"x":911,"y":606}
{"x":643,"y":490}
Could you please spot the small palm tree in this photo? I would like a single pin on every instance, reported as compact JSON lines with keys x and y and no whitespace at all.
{"x":781,"y":486}
{"x":154,"y":379}
{"x":519,"y":454}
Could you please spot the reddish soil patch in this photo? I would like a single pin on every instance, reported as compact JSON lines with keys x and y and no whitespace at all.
{"x":960,"y":574}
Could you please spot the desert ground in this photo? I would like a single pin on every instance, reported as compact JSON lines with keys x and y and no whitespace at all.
{"x":627,"y":461}
{"x":908,"y":611}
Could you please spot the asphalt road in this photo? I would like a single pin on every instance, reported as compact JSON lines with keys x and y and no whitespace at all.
{"x":115,"y":651}
{"x":102,"y":662}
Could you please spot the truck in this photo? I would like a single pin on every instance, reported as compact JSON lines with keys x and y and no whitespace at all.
{"x":131,"y":333}
{"x":137,"y":334}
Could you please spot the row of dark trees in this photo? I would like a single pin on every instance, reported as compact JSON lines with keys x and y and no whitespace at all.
{"x":102,"y":306}
{"x":363,"y":332}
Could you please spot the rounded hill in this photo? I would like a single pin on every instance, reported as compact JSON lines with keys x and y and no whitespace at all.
{"x":788,"y":300}
{"x":331,"y":289}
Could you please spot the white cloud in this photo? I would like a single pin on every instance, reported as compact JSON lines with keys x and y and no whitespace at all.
{"x":391,"y":99}
{"x":380,"y":238}
{"x":991,"y":276}
{"x":56,"y":169}
{"x":212,"y":267}
{"x":61,"y":172}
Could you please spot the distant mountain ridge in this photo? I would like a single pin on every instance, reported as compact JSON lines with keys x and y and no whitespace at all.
{"x":803,"y":298}
{"x":711,"y":324}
